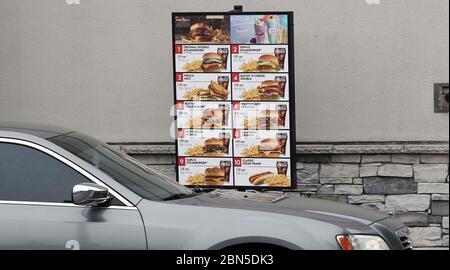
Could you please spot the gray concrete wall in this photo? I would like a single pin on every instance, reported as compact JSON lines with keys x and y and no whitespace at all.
{"x":364,"y":72}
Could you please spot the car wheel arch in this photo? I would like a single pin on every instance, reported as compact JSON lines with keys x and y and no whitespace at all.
{"x":252,"y":240}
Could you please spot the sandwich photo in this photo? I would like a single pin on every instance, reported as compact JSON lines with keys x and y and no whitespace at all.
{"x":212,"y":118}
{"x":214,"y":148}
{"x":215,"y":91}
{"x":212,"y":62}
{"x":201,"y":32}
{"x":266,"y":148}
{"x":268,"y":119}
{"x":269,"y":148}
{"x":265,"y":63}
{"x":268,"y":90}
{"x":268,"y":63}
{"x":214,"y":176}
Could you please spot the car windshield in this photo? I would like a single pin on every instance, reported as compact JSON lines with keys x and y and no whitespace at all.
{"x":124,"y":169}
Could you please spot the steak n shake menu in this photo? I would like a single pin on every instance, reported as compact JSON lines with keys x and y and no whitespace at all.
{"x":234,"y":100}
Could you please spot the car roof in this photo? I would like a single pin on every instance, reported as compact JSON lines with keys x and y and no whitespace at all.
{"x":40,"y":130}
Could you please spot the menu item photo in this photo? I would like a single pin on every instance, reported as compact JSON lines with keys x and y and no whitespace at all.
{"x":271,"y":180}
{"x":262,"y":172}
{"x":256,"y":58}
{"x":205,"y":172}
{"x":212,"y":62}
{"x":260,"y":178}
{"x":268,"y":63}
{"x":202,"y":58}
{"x":269,"y":148}
{"x":202,"y":86}
{"x":203,"y":115}
{"x":259,"y":115}
{"x":214,"y":176}
{"x":202,"y":29}
{"x":261,"y":143}
{"x":213,"y":118}
{"x":204,"y":143}
{"x":263,"y":87}
{"x":259,"y":29}
{"x":214,"y":148}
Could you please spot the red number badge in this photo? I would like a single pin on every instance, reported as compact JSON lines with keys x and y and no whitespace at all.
{"x":181,"y":161}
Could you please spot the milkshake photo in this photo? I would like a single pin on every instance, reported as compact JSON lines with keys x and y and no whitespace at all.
{"x":259,"y":29}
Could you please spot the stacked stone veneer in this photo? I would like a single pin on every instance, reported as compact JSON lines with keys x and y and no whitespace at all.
{"x":409,"y":181}
{"x":413,"y":187}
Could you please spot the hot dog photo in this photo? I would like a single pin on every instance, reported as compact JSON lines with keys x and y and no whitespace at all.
{"x":262,"y":172}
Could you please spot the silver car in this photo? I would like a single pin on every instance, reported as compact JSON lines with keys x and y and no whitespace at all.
{"x":60,"y":189}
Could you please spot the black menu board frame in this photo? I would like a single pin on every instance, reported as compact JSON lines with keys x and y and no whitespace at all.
{"x":181,"y":157}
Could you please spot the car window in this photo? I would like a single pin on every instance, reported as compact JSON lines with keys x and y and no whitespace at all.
{"x":27,"y":174}
{"x":121,"y":167}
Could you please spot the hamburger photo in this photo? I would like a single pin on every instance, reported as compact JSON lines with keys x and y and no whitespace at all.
{"x":269,"y":148}
{"x":268,"y":63}
{"x":212,"y":118}
{"x":214,"y":148}
{"x":212,"y":62}
{"x":260,"y":178}
{"x":269,"y":90}
{"x":201,"y":32}
{"x":214,"y":176}
{"x":268,"y":119}
{"x":217,"y":91}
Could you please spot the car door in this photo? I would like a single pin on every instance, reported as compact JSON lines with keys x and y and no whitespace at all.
{"x":36,"y":209}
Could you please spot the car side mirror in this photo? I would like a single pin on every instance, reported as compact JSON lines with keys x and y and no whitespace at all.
{"x":89,"y":194}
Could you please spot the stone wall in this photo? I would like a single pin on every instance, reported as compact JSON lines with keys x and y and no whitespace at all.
{"x":413,"y":187}
{"x":409,"y":181}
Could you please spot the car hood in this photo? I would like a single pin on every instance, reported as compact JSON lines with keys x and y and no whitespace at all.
{"x":291,"y":204}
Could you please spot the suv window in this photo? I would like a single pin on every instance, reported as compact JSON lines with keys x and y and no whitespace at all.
{"x":27,"y":174}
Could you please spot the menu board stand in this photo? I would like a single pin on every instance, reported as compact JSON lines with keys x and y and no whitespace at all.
{"x":237,"y":9}
{"x":234,"y":98}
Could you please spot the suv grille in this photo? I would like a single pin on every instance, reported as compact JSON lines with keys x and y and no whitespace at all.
{"x":403,"y":236}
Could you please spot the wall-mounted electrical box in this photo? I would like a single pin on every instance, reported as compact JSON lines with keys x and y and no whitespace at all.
{"x":441,"y":97}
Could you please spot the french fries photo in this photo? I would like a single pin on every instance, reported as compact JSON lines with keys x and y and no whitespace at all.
{"x":194,"y":66}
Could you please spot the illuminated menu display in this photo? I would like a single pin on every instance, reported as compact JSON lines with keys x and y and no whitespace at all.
{"x":234,"y":99}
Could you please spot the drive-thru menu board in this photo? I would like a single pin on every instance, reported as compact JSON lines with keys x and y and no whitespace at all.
{"x":234,"y":99}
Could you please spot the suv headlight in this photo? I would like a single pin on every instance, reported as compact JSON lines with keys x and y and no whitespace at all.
{"x":361,"y":242}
